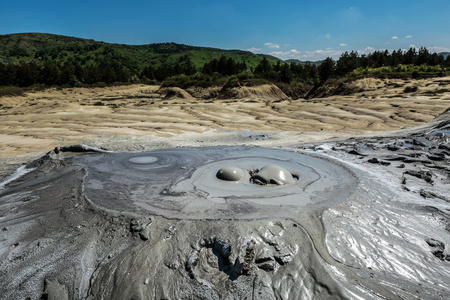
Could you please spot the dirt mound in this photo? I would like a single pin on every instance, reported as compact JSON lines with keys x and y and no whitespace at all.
{"x":204,"y":92}
{"x":348,"y":87}
{"x":333,"y":89}
{"x":367,"y":84}
{"x":174,"y":93}
{"x":264,"y":91}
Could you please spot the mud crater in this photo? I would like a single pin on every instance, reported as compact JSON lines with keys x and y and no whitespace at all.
{"x":215,"y":182}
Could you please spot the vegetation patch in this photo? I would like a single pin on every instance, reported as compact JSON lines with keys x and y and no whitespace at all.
{"x":410,"y":89}
{"x":11,"y":91}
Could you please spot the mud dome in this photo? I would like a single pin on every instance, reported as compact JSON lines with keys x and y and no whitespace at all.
{"x":183,"y":182}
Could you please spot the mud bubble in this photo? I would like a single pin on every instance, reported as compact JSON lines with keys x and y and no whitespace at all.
{"x":274,"y":175}
{"x":215,"y":182}
{"x":270,"y":175}
{"x":230,"y":174}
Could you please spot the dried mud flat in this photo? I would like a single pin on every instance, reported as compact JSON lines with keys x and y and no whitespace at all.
{"x":139,"y":213}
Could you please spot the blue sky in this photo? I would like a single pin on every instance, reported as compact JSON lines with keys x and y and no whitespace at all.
{"x":305,"y":30}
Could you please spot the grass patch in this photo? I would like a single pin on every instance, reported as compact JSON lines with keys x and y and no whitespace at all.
{"x":11,"y":91}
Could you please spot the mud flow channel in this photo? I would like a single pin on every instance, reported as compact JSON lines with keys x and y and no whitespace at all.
{"x":215,"y":182}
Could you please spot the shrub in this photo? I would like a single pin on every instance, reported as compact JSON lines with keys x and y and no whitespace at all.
{"x":410,"y":89}
{"x":11,"y":91}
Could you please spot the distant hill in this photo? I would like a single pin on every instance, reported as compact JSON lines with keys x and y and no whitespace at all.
{"x":43,"y":47}
{"x":297,"y":61}
{"x":444,"y":54}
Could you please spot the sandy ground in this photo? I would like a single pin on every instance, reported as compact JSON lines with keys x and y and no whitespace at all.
{"x":42,"y":120}
{"x":388,"y":240}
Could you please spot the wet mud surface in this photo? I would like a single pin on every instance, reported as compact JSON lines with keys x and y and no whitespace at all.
{"x":183,"y":182}
{"x":363,"y":218}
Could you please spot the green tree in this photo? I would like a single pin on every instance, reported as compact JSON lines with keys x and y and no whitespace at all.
{"x":347,"y":63}
{"x":326,"y":69}
{"x":27,"y":74}
{"x":423,"y":57}
{"x":264,"y":69}
{"x":49,"y":74}
{"x":285,"y":75}
{"x":409,"y":58}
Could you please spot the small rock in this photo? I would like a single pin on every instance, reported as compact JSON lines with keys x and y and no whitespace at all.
{"x":439,"y":254}
{"x":438,"y":249}
{"x":425,"y":175}
{"x":435,"y":243}
{"x":354,"y":152}
{"x":135,"y":226}
{"x":283,"y":258}
{"x":393,"y":148}
{"x":173,"y":265}
{"x":143,"y":235}
{"x":260,"y":260}
{"x":267,"y":266}
{"x":258,"y":136}
{"x":264,"y":254}
{"x":373,"y":161}
{"x":426,"y":194}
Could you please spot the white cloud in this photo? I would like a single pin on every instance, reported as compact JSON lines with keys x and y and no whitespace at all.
{"x":369,"y":49}
{"x":328,"y":36}
{"x":279,"y":54}
{"x":320,"y":54}
{"x":395,"y":37}
{"x":253,"y":49}
{"x":343,"y":45}
{"x":438,"y":49}
{"x":291,"y":54}
{"x":272,"y":46}
{"x":408,"y":37}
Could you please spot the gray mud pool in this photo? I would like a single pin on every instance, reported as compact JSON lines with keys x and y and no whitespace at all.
{"x":215,"y":182}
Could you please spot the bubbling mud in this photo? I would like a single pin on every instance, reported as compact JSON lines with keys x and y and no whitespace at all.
{"x":215,"y":182}
{"x":268,"y":176}
{"x":230,"y":174}
{"x":273,"y":175}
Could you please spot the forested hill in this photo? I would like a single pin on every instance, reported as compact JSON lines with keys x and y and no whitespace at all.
{"x":45,"y":59}
{"x":41,"y":48}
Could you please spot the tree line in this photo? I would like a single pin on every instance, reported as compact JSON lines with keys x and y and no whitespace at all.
{"x":383,"y":62}
{"x":386,"y":62}
{"x":50,"y":74}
